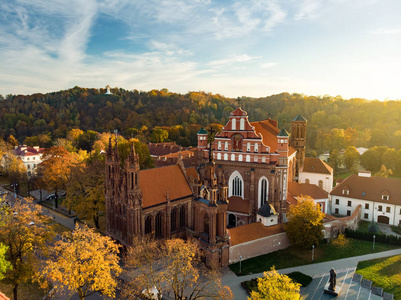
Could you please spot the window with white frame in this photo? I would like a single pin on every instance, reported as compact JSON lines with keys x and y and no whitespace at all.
{"x":242,"y":124}
{"x":263,"y":191}
{"x":380,"y":208}
{"x":248,"y":147}
{"x":248,"y":158}
{"x":349,"y":203}
{"x":263,"y":159}
{"x":233,"y":124}
{"x":225,"y":156}
{"x":225,"y":145}
{"x":240,"y":157}
{"x":218,"y":145}
{"x":388,"y":209}
{"x":233,"y":157}
{"x":236,"y":185}
{"x":218,"y":155}
{"x":385,"y":197}
{"x":255,"y":159}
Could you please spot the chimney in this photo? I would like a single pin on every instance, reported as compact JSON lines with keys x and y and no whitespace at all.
{"x":364,"y":173}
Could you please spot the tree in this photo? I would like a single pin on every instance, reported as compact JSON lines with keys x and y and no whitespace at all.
{"x":275,"y":286}
{"x":12,"y":141}
{"x":305,"y":223}
{"x":4,"y":263}
{"x":182,"y":273}
{"x":158,"y":135}
{"x":351,"y":156}
{"x":25,"y":233}
{"x":85,"y":262}
{"x":55,"y":169}
{"x":85,"y":189}
{"x":15,"y":170}
{"x":371,"y":160}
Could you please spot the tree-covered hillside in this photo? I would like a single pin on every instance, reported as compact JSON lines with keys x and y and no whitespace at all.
{"x":333,"y":123}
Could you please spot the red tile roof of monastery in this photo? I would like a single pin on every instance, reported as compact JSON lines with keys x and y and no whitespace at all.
{"x":237,"y":204}
{"x":268,"y":132}
{"x":159,"y":149}
{"x":297,"y":189}
{"x":191,"y":172}
{"x":253,"y":231}
{"x":157,"y":183}
{"x":316,"y":165}
{"x":370,"y":188}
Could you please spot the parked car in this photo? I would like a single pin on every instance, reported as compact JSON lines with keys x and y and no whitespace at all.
{"x":151,"y":294}
{"x":51,"y":197}
{"x":63,"y":194}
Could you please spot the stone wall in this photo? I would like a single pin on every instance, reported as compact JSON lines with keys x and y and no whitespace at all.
{"x":336,"y":225}
{"x":258,"y":247}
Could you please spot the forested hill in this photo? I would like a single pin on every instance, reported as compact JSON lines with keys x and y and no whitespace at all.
{"x":333,"y":123}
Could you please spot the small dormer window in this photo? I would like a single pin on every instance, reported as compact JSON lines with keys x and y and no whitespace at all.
{"x":345,"y":191}
{"x":385,"y":197}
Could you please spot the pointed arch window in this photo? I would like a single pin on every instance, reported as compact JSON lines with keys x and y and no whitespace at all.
{"x":159,"y":225}
{"x":174,"y":214}
{"x":236,"y":185}
{"x":183,"y":222}
{"x":148,"y":225}
{"x":263,"y":191}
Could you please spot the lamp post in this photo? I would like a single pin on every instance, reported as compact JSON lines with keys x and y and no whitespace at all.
{"x":313,"y":252}
{"x":374,"y":237}
{"x":240,"y":261}
{"x":14,"y":186}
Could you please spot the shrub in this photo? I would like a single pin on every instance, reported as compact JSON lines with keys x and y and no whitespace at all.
{"x":300,"y":278}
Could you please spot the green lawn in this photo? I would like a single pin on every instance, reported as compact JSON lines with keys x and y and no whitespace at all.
{"x":364,"y":225}
{"x":292,"y":256}
{"x":384,"y":272}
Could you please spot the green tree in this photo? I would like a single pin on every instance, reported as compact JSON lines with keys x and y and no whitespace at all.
{"x":158,"y":135}
{"x":12,"y":141}
{"x":276,"y":286}
{"x":351,"y":156}
{"x":305,"y":223}
{"x":390,"y":159}
{"x":371,"y":160}
{"x":4,"y":263}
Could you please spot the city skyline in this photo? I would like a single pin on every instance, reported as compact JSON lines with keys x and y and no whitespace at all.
{"x":254,"y":48}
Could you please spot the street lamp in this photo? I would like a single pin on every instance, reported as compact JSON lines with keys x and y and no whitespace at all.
{"x":313,"y":252}
{"x":14,"y":186}
{"x":240,"y":260}
{"x":374,"y":237}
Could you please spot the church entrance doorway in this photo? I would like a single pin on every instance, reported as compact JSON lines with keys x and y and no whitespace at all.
{"x":232,"y":221}
{"x":383,"y":219}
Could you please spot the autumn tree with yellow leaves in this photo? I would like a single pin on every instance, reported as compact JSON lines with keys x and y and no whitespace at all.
{"x":26,"y":235}
{"x":275,"y":286}
{"x":54,"y":171}
{"x":85,"y":262}
{"x":85,"y":189}
{"x":305,"y":223}
{"x":173,"y":266}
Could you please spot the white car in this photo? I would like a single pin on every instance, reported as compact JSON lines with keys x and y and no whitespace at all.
{"x":151,"y":294}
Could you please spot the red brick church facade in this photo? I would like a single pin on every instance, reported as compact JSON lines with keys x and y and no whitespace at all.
{"x":246,"y":166}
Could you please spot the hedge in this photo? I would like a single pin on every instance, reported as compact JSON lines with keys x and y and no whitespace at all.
{"x":368,"y":236}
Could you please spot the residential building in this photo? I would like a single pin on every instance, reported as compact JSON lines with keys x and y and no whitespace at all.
{"x":30,"y":156}
{"x":379,"y":197}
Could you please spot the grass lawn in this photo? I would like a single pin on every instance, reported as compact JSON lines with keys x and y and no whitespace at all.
{"x":384,"y":272}
{"x":292,"y":256}
{"x":364,"y":225}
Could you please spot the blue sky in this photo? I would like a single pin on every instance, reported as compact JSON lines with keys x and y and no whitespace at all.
{"x":252,"y":48}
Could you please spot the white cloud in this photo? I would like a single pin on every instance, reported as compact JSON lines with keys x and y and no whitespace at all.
{"x":233,"y":59}
{"x":268,"y":65}
{"x":308,"y":9}
{"x":387,"y":31}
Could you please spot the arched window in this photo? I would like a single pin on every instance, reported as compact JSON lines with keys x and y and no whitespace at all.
{"x":233,"y":157}
{"x":263,"y":191}
{"x":306,"y":180}
{"x":159,"y":225}
{"x":174,"y":214}
{"x":233,"y":124}
{"x":240,"y":157}
{"x":321,"y":184}
{"x":148,"y":224}
{"x":242,"y":124}
{"x":218,"y":155}
{"x":236,"y":185}
{"x":248,"y":158}
{"x":183,"y":222}
{"x":225,"y":156}
{"x":232,"y":220}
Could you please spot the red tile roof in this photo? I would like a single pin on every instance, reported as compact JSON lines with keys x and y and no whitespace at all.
{"x":237,"y":204}
{"x":159,"y":149}
{"x":3,"y":297}
{"x":316,"y":165}
{"x":253,"y":231}
{"x":297,"y":189}
{"x":157,"y":183}
{"x":268,"y":132}
{"x":27,"y":151}
{"x":370,"y":188}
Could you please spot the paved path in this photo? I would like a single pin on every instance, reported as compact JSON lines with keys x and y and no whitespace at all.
{"x":314,"y":270}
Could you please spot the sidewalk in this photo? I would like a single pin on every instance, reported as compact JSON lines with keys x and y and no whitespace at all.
{"x":314,"y":270}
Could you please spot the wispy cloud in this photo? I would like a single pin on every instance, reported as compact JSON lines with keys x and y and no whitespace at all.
{"x":308,"y":9}
{"x":268,"y":65}
{"x":233,"y":59}
{"x":387,"y":31}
